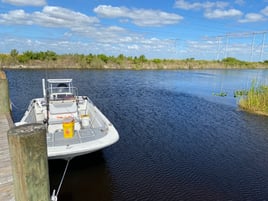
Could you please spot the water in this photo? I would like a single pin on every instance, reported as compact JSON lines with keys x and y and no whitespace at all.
{"x":177,"y":140}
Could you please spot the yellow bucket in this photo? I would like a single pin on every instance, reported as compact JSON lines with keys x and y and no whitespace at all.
{"x":68,"y":127}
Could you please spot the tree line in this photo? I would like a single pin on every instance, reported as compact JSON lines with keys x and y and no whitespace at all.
{"x":50,"y":55}
{"x":50,"y":59}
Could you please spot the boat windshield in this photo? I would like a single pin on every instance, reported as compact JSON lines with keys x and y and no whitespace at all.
{"x":61,"y":89}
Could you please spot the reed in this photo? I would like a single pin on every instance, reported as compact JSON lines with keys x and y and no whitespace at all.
{"x":256,"y":99}
{"x":239,"y":93}
{"x":221,"y":94}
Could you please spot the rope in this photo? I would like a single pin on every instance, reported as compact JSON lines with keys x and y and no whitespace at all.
{"x":54,"y":196}
{"x":16,"y":107}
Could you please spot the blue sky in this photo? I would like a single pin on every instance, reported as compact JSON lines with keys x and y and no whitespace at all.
{"x":154,"y":28}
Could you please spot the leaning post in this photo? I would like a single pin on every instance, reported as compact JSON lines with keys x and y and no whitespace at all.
{"x":28,"y":150}
{"x":4,"y":97}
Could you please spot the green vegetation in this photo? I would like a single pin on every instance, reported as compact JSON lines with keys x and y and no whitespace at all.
{"x":256,"y":99}
{"x":221,"y":94}
{"x":50,"y":59}
{"x":41,"y":56}
{"x":239,"y":93}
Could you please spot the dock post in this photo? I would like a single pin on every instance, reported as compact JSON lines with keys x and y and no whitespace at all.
{"x":4,"y":97}
{"x":6,"y":178}
{"x":28,"y":150}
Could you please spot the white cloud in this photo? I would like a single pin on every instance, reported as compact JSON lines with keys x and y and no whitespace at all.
{"x":212,"y":9}
{"x":133,"y":47}
{"x":240,"y":2}
{"x":26,"y":2}
{"x":255,"y":17}
{"x":49,"y":17}
{"x":62,"y":17}
{"x":88,"y":35}
{"x":111,"y":11}
{"x":126,"y":39}
{"x":252,"y":17}
{"x":265,"y":11}
{"x":182,"y":4}
{"x":213,"y":14}
{"x":140,"y":17}
{"x":16,"y":17}
{"x":76,"y":23}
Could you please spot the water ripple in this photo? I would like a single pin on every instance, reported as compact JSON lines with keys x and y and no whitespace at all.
{"x":173,"y":144}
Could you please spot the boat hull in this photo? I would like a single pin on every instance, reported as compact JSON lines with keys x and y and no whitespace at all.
{"x":98,"y":133}
{"x":73,"y":150}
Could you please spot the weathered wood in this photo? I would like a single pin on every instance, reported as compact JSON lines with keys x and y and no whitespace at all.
{"x":4,"y":95}
{"x":6,"y":179}
{"x":28,"y":150}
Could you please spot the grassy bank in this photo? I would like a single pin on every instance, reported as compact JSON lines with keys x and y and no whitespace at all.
{"x":256,"y":99}
{"x":51,"y":60}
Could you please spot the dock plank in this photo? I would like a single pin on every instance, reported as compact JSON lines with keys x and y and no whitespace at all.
{"x":6,"y":178}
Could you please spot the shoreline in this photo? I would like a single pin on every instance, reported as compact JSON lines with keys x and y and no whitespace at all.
{"x":133,"y":67}
{"x":52,"y":60}
{"x":256,"y":112}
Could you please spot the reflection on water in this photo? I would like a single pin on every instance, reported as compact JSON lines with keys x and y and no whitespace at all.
{"x":177,"y":140}
{"x":87,"y":178}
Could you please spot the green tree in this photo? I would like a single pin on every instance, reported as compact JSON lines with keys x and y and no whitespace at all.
{"x":157,"y":61}
{"x":28,"y":54}
{"x":121,"y":57}
{"x":14,"y":54}
{"x":231,"y":61}
{"x":89,"y":58}
{"x":142,"y":58}
{"x":4,"y":59}
{"x":40,"y":56}
{"x":23,"y":58}
{"x":50,"y":55}
{"x":103,"y":57}
{"x":97,"y":62}
{"x":190,"y":59}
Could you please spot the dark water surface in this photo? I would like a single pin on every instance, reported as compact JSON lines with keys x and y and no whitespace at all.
{"x":177,"y":140}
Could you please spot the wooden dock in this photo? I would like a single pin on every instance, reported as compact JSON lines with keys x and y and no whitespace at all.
{"x":28,"y":178}
{"x":6,"y":178}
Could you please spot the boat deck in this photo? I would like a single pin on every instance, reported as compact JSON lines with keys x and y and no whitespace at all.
{"x":6,"y":178}
{"x":81,"y":136}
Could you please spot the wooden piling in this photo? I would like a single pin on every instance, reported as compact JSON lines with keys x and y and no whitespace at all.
{"x":28,"y":150}
{"x":4,"y":95}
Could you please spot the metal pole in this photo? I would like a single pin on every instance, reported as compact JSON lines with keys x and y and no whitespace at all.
{"x":252,"y":46}
{"x":226,"y":45}
{"x":218,"y":50}
{"x":262,"y":47}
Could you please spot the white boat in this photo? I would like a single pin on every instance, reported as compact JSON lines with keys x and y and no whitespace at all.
{"x":75,"y":126}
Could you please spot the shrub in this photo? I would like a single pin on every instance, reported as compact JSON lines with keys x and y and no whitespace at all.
{"x":256,"y":99}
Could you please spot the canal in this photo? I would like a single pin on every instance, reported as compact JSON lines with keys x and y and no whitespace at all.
{"x":178,"y":141}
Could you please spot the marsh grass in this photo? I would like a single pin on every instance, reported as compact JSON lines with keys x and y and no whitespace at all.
{"x":221,"y":94}
{"x":239,"y":93}
{"x":256,"y":99}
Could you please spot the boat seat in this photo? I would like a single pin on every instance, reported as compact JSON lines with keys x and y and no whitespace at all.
{"x":60,"y":110}
{"x":62,"y":96}
{"x":62,"y":107}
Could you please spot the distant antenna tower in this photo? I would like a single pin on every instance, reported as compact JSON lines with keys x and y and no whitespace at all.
{"x":227,"y":47}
